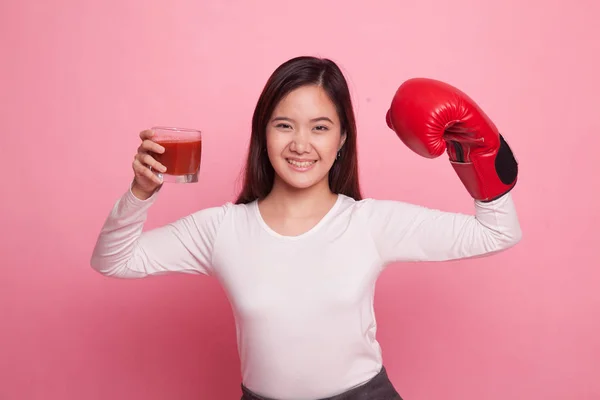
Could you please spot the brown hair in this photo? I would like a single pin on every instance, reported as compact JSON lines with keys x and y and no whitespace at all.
{"x":292,"y":74}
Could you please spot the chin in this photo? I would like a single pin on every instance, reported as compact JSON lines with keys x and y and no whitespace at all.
{"x":299,"y":184}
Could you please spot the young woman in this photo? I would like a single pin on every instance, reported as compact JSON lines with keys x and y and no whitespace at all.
{"x":299,"y":252}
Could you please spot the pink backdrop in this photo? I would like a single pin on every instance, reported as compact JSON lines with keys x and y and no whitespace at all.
{"x":81,"y":79}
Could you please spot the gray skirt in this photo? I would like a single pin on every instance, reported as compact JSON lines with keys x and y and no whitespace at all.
{"x":377,"y":388}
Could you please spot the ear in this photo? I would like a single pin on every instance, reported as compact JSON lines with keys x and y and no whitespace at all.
{"x":342,"y":140}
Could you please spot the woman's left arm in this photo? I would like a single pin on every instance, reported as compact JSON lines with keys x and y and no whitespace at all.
{"x":408,"y":232}
{"x":432,"y":118}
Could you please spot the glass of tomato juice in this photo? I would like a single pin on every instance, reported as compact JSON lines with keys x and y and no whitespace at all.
{"x":182,"y":155}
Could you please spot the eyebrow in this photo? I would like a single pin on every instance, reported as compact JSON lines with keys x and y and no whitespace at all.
{"x":312,"y":120}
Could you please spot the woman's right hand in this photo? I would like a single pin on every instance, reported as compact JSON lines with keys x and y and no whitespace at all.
{"x":145,"y":181}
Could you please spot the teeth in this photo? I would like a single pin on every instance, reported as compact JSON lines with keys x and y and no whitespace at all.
{"x":301,"y":164}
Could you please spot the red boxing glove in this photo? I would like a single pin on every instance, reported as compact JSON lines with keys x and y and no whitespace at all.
{"x":431,"y":117}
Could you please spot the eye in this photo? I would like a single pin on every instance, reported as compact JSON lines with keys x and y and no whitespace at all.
{"x":283,"y":126}
{"x":322,"y":128}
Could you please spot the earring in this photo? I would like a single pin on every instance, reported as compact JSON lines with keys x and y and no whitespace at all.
{"x":338,"y":154}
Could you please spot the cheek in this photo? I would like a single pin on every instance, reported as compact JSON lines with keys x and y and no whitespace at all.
{"x":275,"y":143}
{"x":329,"y":147}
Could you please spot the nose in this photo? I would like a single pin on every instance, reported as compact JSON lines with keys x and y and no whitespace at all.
{"x":300,"y":142}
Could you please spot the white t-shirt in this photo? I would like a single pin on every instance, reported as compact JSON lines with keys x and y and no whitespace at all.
{"x":303,"y":305}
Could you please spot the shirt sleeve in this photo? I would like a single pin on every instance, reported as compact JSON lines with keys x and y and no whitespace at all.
{"x":122,"y":250}
{"x":408,"y":232}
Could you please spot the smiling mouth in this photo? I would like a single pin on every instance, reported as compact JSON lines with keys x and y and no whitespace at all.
{"x":301,"y":164}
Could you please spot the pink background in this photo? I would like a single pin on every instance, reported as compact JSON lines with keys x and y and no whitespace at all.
{"x":81,"y":79}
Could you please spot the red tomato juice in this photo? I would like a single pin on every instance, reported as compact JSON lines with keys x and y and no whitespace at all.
{"x":181,"y":157}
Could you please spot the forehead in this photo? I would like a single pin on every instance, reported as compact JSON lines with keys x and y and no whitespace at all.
{"x":309,"y":101}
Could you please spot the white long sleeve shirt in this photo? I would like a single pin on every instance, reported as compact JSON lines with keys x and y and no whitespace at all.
{"x":303,"y":305}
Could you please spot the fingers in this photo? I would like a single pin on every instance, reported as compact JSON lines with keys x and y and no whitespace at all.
{"x":145,"y":172}
{"x":146,"y":134}
{"x":148,"y":160}
{"x":143,"y":162}
{"x":150,"y":146}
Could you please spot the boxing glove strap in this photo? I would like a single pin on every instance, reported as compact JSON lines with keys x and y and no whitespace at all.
{"x":488,"y":177}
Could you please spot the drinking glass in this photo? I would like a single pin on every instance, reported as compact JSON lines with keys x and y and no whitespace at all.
{"x":182,"y":155}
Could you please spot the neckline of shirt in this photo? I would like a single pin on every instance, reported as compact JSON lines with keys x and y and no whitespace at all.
{"x":309,"y":232}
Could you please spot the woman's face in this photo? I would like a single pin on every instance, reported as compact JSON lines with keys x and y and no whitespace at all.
{"x":303,"y":138}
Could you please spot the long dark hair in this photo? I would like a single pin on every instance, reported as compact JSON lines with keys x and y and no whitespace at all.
{"x":259,"y":174}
